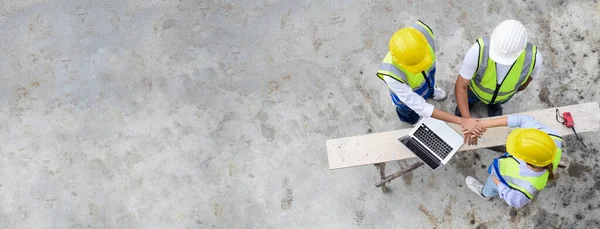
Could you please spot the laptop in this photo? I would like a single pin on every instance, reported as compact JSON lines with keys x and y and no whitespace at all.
{"x":433,"y":141}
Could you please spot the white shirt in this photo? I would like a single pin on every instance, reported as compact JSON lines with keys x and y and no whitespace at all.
{"x":472,"y":58}
{"x":413,"y":100}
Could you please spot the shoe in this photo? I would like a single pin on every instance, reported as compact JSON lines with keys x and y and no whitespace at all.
{"x":475,"y":186}
{"x":494,"y":110}
{"x":438,"y":94}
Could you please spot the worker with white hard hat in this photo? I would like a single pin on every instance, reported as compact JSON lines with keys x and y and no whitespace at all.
{"x":408,"y":69}
{"x":533,"y":153}
{"x":495,"y":68}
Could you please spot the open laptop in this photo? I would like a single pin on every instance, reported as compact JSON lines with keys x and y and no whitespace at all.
{"x":433,"y":141}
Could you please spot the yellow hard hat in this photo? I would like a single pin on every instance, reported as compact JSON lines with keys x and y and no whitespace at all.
{"x":409,"y":49}
{"x":532,"y":146}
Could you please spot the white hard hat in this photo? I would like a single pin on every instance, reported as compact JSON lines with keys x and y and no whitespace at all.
{"x":507,"y":42}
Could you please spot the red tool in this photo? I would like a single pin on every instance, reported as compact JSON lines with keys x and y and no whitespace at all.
{"x":568,"y":121}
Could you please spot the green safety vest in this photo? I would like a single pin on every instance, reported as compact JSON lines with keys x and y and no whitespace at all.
{"x":484,"y":83}
{"x":530,"y":186}
{"x":418,"y":82}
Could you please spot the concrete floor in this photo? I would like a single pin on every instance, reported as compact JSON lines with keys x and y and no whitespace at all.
{"x":214,"y":114}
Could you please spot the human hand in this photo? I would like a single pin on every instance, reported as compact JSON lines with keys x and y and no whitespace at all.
{"x":470,"y":138}
{"x":473,"y":126}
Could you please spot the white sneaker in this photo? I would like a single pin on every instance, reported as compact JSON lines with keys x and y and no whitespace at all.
{"x":475,"y":186}
{"x":438,"y":94}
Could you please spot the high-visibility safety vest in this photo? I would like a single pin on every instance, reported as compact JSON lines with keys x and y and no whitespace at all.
{"x":507,"y":170}
{"x":421,"y":83}
{"x":484,"y":83}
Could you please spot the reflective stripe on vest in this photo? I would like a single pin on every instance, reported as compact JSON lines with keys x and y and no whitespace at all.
{"x":558,"y":143}
{"x":418,"y":82}
{"x":484,"y":82}
{"x":510,"y":172}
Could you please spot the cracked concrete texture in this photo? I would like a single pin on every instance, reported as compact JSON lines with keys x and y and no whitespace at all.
{"x":214,"y":114}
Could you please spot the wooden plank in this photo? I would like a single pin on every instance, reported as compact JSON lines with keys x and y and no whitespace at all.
{"x":384,"y":146}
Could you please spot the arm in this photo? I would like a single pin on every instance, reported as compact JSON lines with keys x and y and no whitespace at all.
{"x":517,"y":120}
{"x":488,"y":123}
{"x":424,"y":109}
{"x":467,"y":70}
{"x":512,"y":197}
{"x":469,"y":124}
{"x":411,"y":99}
{"x":462,"y":100}
{"x":445,"y":116}
{"x":521,"y":121}
{"x":495,"y":122}
{"x":525,"y":121}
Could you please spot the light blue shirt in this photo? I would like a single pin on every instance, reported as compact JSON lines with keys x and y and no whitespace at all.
{"x":513,"y":197}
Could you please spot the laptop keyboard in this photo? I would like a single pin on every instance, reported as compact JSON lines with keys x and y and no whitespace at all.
{"x":423,"y":153}
{"x":433,"y":141}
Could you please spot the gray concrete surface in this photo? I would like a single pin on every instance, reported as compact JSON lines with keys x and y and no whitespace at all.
{"x":214,"y":114}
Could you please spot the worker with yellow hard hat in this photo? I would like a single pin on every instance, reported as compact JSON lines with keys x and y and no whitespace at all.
{"x":408,"y":69}
{"x":533,"y":153}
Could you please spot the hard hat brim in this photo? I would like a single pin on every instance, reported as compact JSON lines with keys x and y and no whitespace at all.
{"x":511,"y":148}
{"x":503,"y":59}
{"x":510,"y":141}
{"x":421,"y":66}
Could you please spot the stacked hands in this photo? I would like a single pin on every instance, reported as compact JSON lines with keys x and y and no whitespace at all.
{"x":472,"y":130}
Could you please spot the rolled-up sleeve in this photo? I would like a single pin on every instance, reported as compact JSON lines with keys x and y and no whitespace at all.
{"x":512,"y":197}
